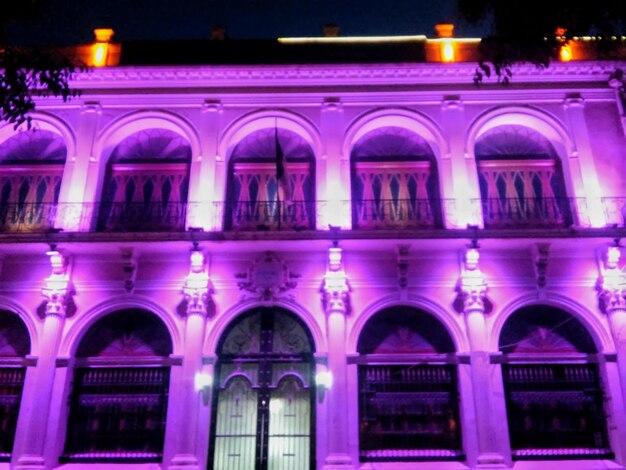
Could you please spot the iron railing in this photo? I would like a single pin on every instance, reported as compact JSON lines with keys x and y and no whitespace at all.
{"x":270,"y":215}
{"x":141,"y":217}
{"x":27,"y":217}
{"x":528,"y":212}
{"x":117,"y":414}
{"x":555,"y":411}
{"x":11,"y":383}
{"x":395,"y":213}
{"x":513,"y":213}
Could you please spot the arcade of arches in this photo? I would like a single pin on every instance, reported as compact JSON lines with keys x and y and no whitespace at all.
{"x":265,"y":402}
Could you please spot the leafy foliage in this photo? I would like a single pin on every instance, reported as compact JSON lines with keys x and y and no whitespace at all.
{"x":27,"y":73}
{"x":526,"y":30}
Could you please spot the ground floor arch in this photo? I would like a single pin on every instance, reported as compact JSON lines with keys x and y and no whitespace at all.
{"x":264,"y":394}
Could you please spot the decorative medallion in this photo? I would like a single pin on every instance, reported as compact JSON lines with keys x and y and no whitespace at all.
{"x":268,"y":278}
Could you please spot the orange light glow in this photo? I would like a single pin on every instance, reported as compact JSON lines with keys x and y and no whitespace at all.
{"x":100,"y":54}
{"x":447,"y":51}
{"x":565,"y":53}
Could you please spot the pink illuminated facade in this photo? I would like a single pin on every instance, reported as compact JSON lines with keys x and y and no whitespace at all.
{"x":439,"y":285}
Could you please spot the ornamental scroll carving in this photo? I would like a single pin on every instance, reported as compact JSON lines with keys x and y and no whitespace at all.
{"x":268,"y":278}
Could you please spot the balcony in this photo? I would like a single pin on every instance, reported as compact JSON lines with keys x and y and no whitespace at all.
{"x":530,"y":212}
{"x":141,"y":217}
{"x":27,"y":217}
{"x":395,"y":214}
{"x":369,"y":215}
{"x":273,"y":215}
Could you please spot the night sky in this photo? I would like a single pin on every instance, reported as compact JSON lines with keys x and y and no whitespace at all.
{"x":72,"y":21}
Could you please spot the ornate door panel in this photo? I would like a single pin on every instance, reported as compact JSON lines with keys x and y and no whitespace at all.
{"x":263,"y":400}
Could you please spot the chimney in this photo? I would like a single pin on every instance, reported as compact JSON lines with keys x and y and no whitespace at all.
{"x":331,"y":30}
{"x":444,"y":30}
{"x":218,"y":33}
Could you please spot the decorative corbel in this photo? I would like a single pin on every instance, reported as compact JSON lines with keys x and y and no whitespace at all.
{"x":58,"y":289}
{"x":472,"y":286}
{"x":335,"y":287}
{"x":541,"y":253}
{"x":403,"y":266}
{"x":611,"y":284}
{"x":129,"y":266}
{"x":198,"y":287}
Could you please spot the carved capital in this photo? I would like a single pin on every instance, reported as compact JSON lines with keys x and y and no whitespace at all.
{"x":611,"y":284}
{"x":198,"y":287}
{"x":57,"y":290}
{"x":472,"y":287}
{"x":336,"y":288}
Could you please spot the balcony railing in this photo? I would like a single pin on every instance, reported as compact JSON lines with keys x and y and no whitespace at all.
{"x":141,"y":217}
{"x":394,"y":214}
{"x":263,"y":215}
{"x":528,"y":212}
{"x":543,"y":213}
{"x":27,"y":217}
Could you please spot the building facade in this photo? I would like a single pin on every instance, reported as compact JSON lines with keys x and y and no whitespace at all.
{"x":338,"y":266}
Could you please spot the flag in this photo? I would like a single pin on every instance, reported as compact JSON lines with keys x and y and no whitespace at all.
{"x":282,"y":177}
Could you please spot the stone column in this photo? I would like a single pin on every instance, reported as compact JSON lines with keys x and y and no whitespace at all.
{"x":196,"y":291}
{"x":473,"y":289}
{"x":32,"y":441}
{"x":336,"y":301}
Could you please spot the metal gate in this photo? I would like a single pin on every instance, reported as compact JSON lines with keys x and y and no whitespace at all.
{"x":263,"y":413}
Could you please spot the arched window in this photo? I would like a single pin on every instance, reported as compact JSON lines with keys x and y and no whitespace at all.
{"x":394,"y":181}
{"x":408,"y":392}
{"x":31,"y":168}
{"x":14,"y":346}
{"x":257,"y":200}
{"x":146,"y":184}
{"x":521,"y":183}
{"x":118,"y":400}
{"x":553,"y":387}
{"x":264,"y":394}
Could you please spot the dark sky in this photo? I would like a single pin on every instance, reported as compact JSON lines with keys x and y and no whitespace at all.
{"x":72,"y":21}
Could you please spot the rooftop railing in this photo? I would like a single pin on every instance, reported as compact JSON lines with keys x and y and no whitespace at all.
{"x":369,"y":215}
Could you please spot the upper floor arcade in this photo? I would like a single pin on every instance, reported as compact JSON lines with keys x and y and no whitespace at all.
{"x":405,"y":162}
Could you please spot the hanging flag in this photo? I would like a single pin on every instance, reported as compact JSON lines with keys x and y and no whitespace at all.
{"x":282,"y":176}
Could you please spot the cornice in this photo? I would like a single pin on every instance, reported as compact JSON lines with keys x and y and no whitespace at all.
{"x":330,"y":75}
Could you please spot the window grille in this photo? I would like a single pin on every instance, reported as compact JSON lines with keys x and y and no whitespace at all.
{"x":11,"y":384}
{"x":555,"y":411}
{"x":409,"y":412}
{"x":117,"y":414}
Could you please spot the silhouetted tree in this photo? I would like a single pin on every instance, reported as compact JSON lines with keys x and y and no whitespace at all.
{"x":532,"y":30}
{"x":28,"y":72}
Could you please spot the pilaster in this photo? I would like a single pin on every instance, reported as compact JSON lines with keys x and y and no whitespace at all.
{"x":336,"y":302}
{"x":473,"y":290}
{"x":196,"y":292}
{"x":57,"y":291}
{"x":333,"y":169}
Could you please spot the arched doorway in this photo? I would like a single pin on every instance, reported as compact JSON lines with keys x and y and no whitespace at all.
{"x":408,"y":389}
{"x":264,"y":394}
{"x":552,"y":384}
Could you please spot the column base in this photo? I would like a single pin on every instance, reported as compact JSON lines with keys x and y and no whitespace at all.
{"x":184,"y":462}
{"x":490,"y":460}
{"x":30,"y":462}
{"x":338,"y":462}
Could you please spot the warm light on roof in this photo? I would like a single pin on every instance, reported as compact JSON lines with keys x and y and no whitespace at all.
{"x":352,"y":39}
